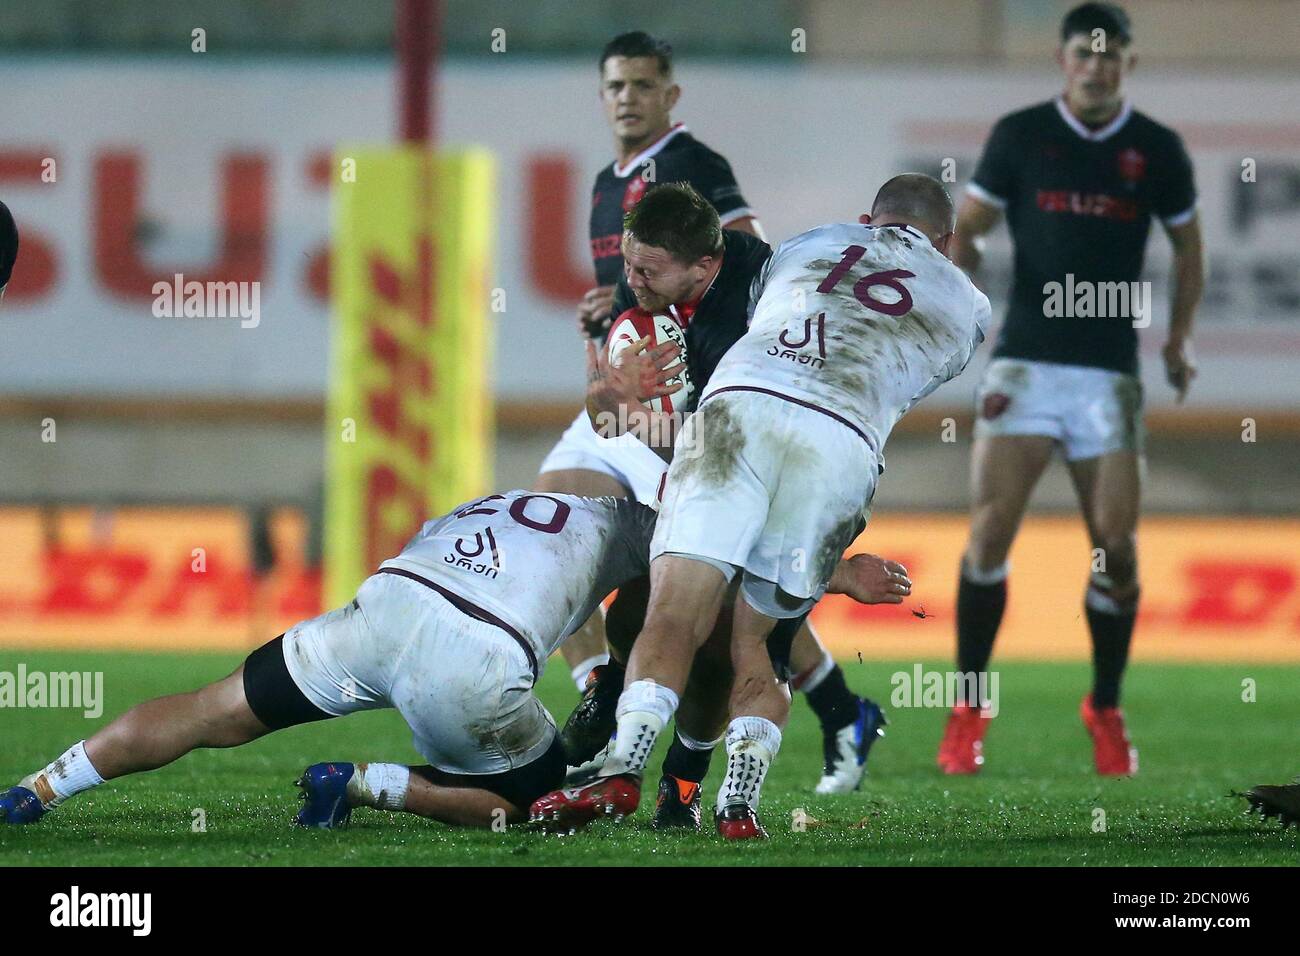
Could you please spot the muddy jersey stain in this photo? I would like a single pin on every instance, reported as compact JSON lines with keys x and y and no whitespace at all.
{"x":720,"y":442}
{"x":835,"y":543}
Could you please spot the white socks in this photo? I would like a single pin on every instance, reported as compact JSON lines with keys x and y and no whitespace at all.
{"x":580,"y":672}
{"x":379,"y":785}
{"x":644,"y":709}
{"x":69,"y":775}
{"x":752,"y":744}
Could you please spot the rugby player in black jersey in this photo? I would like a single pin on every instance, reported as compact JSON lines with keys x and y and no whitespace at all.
{"x":1079,"y":179}
{"x":638,"y":94}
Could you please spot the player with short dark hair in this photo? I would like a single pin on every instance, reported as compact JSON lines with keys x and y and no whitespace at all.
{"x":1079,"y":179}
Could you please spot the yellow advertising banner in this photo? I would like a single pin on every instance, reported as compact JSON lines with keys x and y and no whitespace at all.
{"x":184,"y":578}
{"x":408,"y":430}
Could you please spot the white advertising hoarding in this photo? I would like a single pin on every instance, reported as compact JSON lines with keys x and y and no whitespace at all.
{"x":221,"y":170}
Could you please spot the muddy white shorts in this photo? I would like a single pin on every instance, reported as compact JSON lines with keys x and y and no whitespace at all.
{"x":1089,"y":411}
{"x":465,"y":687}
{"x":769,"y":486}
{"x":626,"y":459}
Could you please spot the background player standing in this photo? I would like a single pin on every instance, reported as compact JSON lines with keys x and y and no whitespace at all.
{"x":1079,"y":179}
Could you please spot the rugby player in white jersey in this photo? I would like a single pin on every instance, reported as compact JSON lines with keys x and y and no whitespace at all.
{"x":452,"y":633}
{"x":773,"y":476}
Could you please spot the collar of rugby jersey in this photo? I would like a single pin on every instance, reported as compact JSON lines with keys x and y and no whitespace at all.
{"x":1094,"y":135}
{"x":899,"y":225}
{"x":622,"y":171}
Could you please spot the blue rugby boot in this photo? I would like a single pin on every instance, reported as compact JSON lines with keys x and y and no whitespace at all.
{"x":20,"y":805}
{"x":325,"y":796}
{"x":845,"y":750}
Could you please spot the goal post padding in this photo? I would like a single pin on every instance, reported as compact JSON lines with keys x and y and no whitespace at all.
{"x":409,"y":416}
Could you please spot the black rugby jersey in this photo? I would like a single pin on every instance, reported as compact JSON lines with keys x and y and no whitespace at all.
{"x":723,"y":310}
{"x":1079,"y":204}
{"x":676,"y":157}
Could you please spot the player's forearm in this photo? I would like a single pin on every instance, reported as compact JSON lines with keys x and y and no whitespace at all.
{"x":656,"y":430}
{"x":1188,"y":285}
{"x":968,"y":253}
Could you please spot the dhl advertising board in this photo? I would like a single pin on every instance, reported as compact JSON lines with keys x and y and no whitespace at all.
{"x":177,"y":579}
{"x":408,"y":423}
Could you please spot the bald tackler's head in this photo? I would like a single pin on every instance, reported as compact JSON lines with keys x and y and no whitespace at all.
{"x":919,"y":201}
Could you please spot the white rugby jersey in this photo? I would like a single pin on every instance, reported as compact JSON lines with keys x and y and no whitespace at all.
{"x":858,"y":321}
{"x":539,"y":563}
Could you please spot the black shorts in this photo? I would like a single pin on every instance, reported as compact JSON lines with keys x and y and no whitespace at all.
{"x":272,"y":695}
{"x":779,"y":643}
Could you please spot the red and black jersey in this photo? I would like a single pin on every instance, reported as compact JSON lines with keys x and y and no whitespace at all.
{"x":676,"y":157}
{"x":720,"y":317}
{"x":1079,"y":203}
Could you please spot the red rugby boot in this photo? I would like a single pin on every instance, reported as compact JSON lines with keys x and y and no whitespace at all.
{"x":564,"y":811}
{"x":739,"y":822}
{"x":962,"y":748}
{"x":1115,"y":756}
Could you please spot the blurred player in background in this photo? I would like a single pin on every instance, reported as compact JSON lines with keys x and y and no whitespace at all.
{"x":8,"y":246}
{"x":773,"y":476}
{"x":638,"y":94}
{"x":1079,"y":179}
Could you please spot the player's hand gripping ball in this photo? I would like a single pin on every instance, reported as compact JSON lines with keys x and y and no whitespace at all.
{"x":636,"y":324}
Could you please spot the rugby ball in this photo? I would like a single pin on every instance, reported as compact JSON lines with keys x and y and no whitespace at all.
{"x":634,"y":325}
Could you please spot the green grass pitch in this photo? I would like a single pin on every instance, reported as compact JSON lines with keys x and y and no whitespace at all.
{"x":1035,"y":802}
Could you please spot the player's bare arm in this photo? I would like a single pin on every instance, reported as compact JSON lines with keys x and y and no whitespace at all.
{"x":975,"y":220}
{"x":1188,"y":284}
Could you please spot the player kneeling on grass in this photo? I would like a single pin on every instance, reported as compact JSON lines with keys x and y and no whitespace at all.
{"x":450,"y":633}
